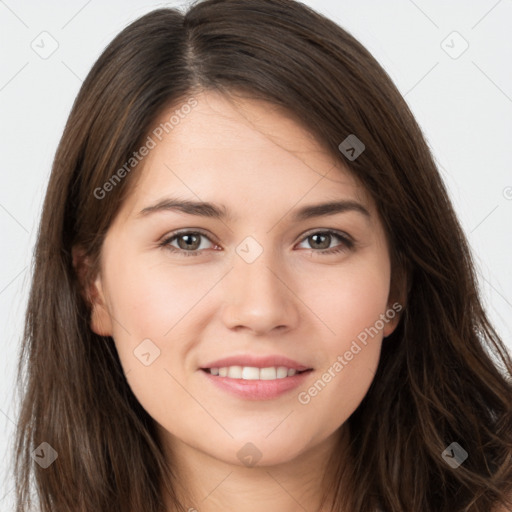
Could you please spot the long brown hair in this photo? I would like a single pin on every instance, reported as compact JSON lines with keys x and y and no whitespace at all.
{"x":444,"y":374}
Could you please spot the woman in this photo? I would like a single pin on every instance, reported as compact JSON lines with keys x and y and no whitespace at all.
{"x":264,"y":372}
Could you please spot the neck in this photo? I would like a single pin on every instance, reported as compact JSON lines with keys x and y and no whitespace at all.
{"x":207,"y":484}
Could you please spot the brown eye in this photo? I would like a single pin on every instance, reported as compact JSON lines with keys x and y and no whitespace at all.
{"x":191,"y":242}
{"x":188,"y":243}
{"x":320,"y":241}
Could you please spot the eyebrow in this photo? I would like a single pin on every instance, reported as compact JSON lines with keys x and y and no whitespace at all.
{"x":212,"y":210}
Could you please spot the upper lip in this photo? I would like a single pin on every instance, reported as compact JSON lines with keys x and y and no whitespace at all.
{"x":256,"y":362}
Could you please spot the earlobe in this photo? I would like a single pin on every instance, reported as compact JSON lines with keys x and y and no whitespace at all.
{"x":393,"y":315}
{"x":397,"y":300}
{"x":395,"y":310}
{"x":92,"y":292}
{"x":101,"y":322}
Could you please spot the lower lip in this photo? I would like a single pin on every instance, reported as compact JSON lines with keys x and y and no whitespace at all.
{"x":257,"y":389}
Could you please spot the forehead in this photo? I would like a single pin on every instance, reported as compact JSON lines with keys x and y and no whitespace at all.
{"x":239,"y":149}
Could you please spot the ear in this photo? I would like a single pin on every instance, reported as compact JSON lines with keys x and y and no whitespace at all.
{"x":398,"y":294}
{"x":91,"y":289}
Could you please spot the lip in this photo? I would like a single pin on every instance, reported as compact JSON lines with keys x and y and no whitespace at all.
{"x":256,"y":362}
{"x":257,"y":389}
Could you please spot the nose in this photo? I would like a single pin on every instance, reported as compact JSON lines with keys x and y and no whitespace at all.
{"x":259,"y":297}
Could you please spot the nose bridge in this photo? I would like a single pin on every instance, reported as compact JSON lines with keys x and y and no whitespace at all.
{"x":257,"y":297}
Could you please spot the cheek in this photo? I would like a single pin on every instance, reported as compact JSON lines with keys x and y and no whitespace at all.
{"x":148,"y":308}
{"x":349,"y":299}
{"x":149,"y":298}
{"x":350,"y":306}
{"x":340,"y":386}
{"x":151,"y":307}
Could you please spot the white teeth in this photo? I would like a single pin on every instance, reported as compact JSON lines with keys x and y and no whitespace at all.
{"x":282,"y":372}
{"x":235,"y":372}
{"x":249,"y":373}
{"x":253,"y":373}
{"x":268,"y":373}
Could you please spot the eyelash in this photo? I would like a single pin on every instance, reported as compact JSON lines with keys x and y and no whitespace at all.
{"x":347,"y":242}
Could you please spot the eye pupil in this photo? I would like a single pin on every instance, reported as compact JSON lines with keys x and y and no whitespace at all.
{"x":323,"y":245}
{"x":188,"y":245}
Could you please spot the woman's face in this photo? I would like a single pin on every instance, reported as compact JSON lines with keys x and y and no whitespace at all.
{"x":254,"y":276}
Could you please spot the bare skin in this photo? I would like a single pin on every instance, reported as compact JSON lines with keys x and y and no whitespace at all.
{"x":294,"y":299}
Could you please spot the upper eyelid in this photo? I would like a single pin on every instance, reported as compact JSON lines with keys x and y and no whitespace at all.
{"x":198,"y":231}
{"x":337,"y":232}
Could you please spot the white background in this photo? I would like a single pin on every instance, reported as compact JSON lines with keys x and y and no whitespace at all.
{"x":463,"y":104}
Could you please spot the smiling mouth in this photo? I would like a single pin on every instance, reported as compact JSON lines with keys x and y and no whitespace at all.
{"x":254,"y":373}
